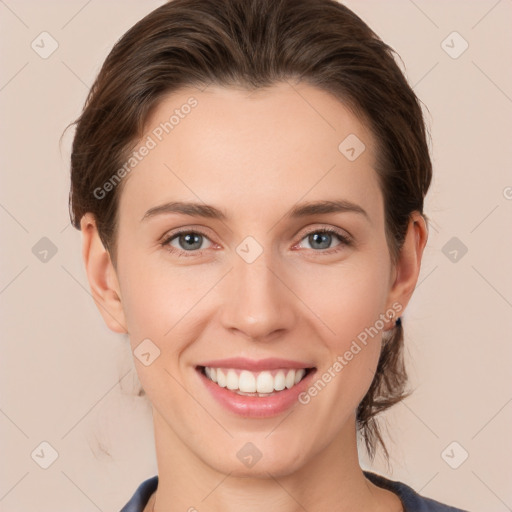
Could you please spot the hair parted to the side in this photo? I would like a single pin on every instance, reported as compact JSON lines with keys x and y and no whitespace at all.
{"x":255,"y":44}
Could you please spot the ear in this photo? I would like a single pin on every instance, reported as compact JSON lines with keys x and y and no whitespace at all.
{"x":102,"y":276}
{"x":406,"y":271}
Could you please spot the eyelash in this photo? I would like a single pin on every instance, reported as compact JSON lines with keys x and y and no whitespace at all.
{"x":345,"y":241}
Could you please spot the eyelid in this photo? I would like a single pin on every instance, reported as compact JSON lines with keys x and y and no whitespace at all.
{"x":186,"y":229}
{"x":329,"y":229}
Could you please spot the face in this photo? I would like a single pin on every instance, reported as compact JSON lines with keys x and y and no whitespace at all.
{"x":258,"y":279}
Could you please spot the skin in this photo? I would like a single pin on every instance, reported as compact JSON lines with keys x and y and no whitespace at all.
{"x":255,"y":155}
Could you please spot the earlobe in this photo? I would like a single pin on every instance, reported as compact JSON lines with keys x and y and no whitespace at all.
{"x":409,"y":261}
{"x":102,"y":276}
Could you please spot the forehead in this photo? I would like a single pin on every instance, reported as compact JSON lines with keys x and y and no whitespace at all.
{"x":273,"y":147}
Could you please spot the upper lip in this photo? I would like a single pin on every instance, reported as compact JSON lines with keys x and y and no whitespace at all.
{"x":243,"y":363}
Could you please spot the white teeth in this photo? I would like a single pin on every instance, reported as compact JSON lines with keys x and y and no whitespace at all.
{"x":258,"y":383}
{"x":279,"y":381}
{"x":290,"y":379}
{"x":265,"y":383}
{"x":221,"y":378}
{"x":299,"y":375}
{"x":246,"y":382}
{"x":231,"y":380}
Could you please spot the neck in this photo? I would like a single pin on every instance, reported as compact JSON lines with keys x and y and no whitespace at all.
{"x":331,"y":480}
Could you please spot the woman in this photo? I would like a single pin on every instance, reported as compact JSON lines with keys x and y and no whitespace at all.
{"x":220,"y":143}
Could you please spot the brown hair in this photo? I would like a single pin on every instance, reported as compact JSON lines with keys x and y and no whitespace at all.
{"x":255,"y":44}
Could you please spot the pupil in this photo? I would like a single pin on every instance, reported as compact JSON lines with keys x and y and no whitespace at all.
{"x":325,"y":236}
{"x":192,"y":239}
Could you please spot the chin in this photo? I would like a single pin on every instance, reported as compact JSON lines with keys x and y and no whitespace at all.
{"x":278,"y":463}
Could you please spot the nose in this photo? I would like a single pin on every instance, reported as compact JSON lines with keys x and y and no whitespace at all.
{"x":258,"y":301}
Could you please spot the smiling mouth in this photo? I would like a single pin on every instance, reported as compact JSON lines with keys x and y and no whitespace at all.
{"x":262,"y":383}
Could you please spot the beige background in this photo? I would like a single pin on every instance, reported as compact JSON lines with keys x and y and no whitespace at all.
{"x":69,"y":381}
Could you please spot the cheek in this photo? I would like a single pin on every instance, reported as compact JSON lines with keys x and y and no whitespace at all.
{"x":348,"y":300}
{"x":163,"y":302}
{"x":348,"y":297}
{"x":145,"y":297}
{"x":350,"y":305}
{"x":155,"y":304}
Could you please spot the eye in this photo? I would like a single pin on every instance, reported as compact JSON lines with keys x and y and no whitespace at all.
{"x":187,"y":241}
{"x":321,"y":239}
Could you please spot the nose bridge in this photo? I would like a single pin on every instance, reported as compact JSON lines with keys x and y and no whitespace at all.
{"x":258,"y":302}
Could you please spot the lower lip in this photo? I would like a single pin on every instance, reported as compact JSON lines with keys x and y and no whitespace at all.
{"x":254,"y":406}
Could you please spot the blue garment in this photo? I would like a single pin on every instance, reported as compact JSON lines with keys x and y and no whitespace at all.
{"x":411,"y":500}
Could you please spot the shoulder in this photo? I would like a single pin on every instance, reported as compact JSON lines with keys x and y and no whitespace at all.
{"x":412,"y":501}
{"x":141,"y":496}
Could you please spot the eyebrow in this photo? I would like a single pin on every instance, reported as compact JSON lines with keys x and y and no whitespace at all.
{"x":211,"y":212}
